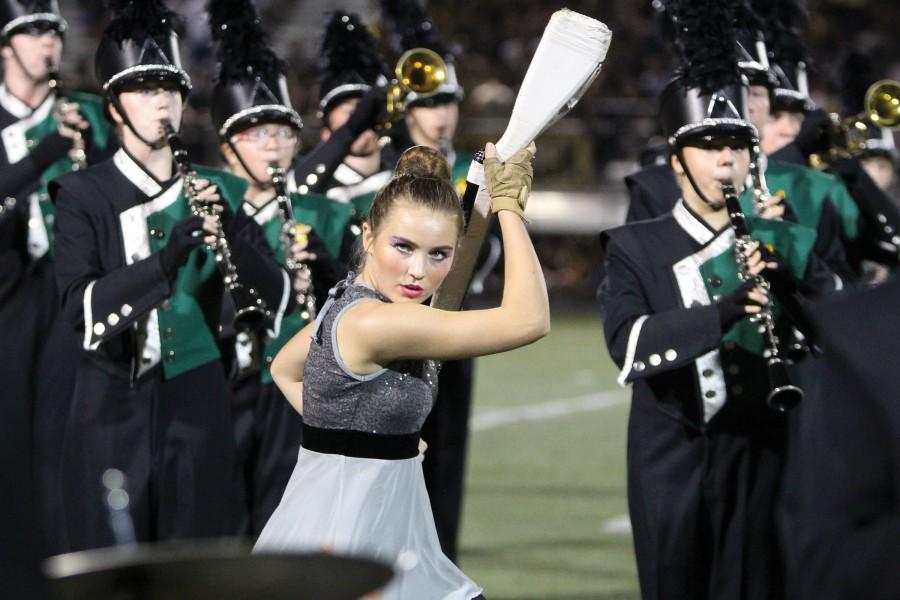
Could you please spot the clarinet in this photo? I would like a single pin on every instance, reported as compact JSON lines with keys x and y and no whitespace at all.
{"x":306,"y":298}
{"x":251,"y":310}
{"x":77,"y":155}
{"x":783,"y":395}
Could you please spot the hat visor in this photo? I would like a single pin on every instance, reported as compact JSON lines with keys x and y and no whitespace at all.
{"x":710,"y":129}
{"x":260,"y":115}
{"x":141,"y":74}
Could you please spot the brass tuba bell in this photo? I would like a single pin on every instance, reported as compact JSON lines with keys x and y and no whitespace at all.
{"x":419,"y":70}
{"x":849,"y":135}
{"x":883,"y":103}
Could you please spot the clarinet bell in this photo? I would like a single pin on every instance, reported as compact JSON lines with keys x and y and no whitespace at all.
{"x":784,"y":395}
{"x":249,"y":309}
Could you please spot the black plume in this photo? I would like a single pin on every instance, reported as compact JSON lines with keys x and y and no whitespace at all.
{"x":349,"y":51}
{"x":44,"y":6}
{"x":704,"y":35}
{"x":783,"y":21}
{"x":411,"y":27}
{"x":140,"y":19}
{"x":243,"y":45}
{"x":858,"y":72}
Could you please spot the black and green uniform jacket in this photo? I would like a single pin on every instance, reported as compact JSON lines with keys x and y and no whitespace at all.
{"x":33,"y":152}
{"x":113,"y":219}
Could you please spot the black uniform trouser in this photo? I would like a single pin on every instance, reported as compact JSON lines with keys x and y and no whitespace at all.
{"x":173,"y":439}
{"x":25,"y":309}
{"x":267,"y":432}
{"x":702,"y":506}
{"x":53,"y":397}
{"x":446,"y":431}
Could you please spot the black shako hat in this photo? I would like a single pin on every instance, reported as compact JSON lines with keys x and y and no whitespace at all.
{"x":413,"y":29}
{"x":140,"y":45}
{"x":782,"y":21}
{"x":17,"y":15}
{"x":753,"y":56}
{"x":708,"y":96}
{"x":350,"y":63}
{"x":250,"y":85}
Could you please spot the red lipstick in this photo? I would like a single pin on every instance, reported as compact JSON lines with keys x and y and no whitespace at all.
{"x":411,"y":290}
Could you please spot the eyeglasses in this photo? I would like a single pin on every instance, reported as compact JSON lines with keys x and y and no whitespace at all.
{"x":259,"y":135}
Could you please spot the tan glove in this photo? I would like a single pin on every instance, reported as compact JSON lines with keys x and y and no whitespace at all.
{"x":509,"y":183}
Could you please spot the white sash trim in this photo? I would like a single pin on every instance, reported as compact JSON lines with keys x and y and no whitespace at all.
{"x":89,"y":317}
{"x":13,"y":136}
{"x":693,"y":292}
{"x":136,"y":242}
{"x":694,"y":228}
{"x":631,"y":349}
{"x":136,"y":174}
{"x":285,"y":295}
{"x":354,"y":185}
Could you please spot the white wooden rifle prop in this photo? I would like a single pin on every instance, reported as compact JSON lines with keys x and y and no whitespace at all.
{"x":566,"y":61}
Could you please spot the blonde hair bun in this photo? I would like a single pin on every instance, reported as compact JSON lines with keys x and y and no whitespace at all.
{"x":422,"y":161}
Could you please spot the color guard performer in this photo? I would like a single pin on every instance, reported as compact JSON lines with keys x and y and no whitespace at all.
{"x":151,"y":396}
{"x":259,"y":132}
{"x":704,"y":449}
{"x":431,"y":121}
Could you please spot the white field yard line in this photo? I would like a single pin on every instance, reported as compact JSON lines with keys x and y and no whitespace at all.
{"x":552,"y":409}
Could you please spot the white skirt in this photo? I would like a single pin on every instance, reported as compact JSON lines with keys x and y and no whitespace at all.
{"x":368,"y":508}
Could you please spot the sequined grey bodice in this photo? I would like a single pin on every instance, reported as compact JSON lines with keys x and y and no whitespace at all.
{"x":394,"y":400}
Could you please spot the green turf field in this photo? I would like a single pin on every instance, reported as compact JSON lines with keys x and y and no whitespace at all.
{"x":545,"y":498}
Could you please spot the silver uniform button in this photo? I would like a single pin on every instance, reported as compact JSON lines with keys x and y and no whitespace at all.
{"x":99,"y":328}
{"x":303,"y":189}
{"x":639,"y":366}
{"x":655,"y":360}
{"x":312,"y":178}
{"x":320,"y":168}
{"x":112,"y":319}
{"x":125,"y":310}
{"x":671,"y":355}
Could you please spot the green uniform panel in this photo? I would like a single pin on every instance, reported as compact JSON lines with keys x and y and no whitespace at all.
{"x":328,"y":219}
{"x":186,"y":331}
{"x":792,"y":242}
{"x":361,"y":205}
{"x":92,"y":108}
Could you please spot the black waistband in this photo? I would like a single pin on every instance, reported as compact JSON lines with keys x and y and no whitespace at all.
{"x":361,"y":444}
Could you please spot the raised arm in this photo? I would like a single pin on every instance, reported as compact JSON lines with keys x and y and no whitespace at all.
{"x":376,"y":334}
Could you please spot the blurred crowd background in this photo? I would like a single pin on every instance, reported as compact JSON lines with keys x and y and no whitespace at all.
{"x":584,"y":157}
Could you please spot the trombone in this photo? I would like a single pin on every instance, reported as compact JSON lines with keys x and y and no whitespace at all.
{"x":848,"y":136}
{"x":420,"y":71}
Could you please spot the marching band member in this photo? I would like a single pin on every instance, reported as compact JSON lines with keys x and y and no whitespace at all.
{"x":704,"y":450}
{"x":259,"y":128}
{"x":151,"y":396}
{"x":44,"y":135}
{"x":803,"y":195}
{"x":351,"y":88}
{"x":869,"y":220}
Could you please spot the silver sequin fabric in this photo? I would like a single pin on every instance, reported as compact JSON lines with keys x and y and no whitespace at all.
{"x":395,"y":400}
